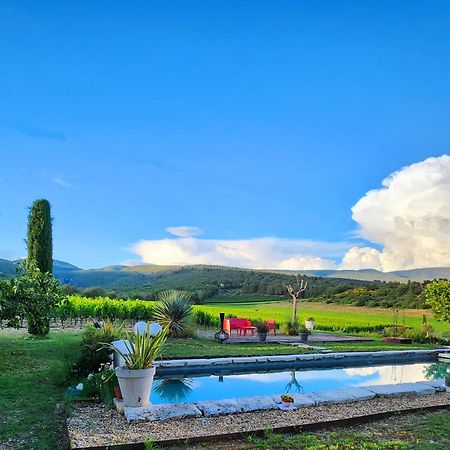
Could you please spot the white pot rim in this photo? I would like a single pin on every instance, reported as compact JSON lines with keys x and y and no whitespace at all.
{"x":125,"y":372}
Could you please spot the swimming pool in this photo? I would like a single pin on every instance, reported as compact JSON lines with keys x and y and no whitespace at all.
{"x":192,"y":388}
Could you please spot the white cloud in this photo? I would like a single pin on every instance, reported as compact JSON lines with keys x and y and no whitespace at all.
{"x":362,"y":258}
{"x":184,"y":231}
{"x":62,"y":182}
{"x":409,"y":216}
{"x":261,"y":253}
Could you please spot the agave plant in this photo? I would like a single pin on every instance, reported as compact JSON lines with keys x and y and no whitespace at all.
{"x":142,"y":349}
{"x":174,"y":312}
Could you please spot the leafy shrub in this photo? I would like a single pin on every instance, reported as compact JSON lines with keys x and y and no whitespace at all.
{"x":101,"y":384}
{"x":262,"y":327}
{"x":38,"y":293}
{"x":94,"y":353}
{"x":437,"y":295}
{"x":294,"y":329}
{"x":174,"y":313}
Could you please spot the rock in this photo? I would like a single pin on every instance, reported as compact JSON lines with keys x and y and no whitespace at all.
{"x":218,"y":407}
{"x":358,"y":393}
{"x":335,"y":396}
{"x":263,"y":402}
{"x":161,"y":412}
{"x":244,"y":360}
{"x":388,"y":390}
{"x":300,"y":400}
{"x":437,"y":385}
{"x":118,"y":405}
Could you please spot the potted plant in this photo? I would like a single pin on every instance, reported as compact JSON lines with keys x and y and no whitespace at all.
{"x":303,"y":333}
{"x":287,"y":400}
{"x":262,"y":328}
{"x":310,"y":323}
{"x":136,"y":376}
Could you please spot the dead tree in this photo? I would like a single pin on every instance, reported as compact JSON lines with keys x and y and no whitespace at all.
{"x":297,"y":293}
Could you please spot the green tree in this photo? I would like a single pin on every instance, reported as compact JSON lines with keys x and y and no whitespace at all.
{"x":437,"y":295}
{"x":39,"y":293}
{"x":39,"y":236}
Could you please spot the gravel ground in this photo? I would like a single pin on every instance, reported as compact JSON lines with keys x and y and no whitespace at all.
{"x":94,"y":425}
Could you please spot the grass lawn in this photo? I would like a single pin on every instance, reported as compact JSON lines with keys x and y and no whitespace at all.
{"x":32,"y":374}
{"x":421,"y":431}
{"x":339,"y":316}
{"x":32,"y":389}
{"x":203,"y":348}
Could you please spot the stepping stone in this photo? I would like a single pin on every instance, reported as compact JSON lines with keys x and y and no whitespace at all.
{"x":388,"y":390}
{"x":300,"y":400}
{"x":358,"y":393}
{"x":218,"y":407}
{"x":263,"y":402}
{"x":335,"y":396}
{"x":437,"y":385}
{"x":154,"y":413}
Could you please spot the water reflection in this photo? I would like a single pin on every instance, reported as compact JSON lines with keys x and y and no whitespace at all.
{"x":293,"y":383}
{"x":437,"y":371}
{"x":173,"y":390}
{"x":232,"y":385}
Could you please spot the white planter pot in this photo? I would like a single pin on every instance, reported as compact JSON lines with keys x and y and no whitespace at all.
{"x":309,"y":325}
{"x":135,"y":385}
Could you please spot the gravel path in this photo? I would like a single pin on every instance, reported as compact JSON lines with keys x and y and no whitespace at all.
{"x":95,"y":425}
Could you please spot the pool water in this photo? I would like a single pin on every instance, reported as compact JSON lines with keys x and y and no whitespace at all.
{"x":214,"y":387}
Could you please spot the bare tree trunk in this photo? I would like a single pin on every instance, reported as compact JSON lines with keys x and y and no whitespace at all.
{"x":294,"y":311}
{"x":296,"y":295}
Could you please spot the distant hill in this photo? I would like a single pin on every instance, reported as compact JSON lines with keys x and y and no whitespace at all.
{"x":152,"y":277}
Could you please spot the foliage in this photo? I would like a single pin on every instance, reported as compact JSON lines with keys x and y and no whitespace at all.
{"x":39,"y":294}
{"x":93,"y":351}
{"x":293,"y":329}
{"x":104,"y":308}
{"x":101,"y":384}
{"x":437,"y":296}
{"x":12,"y":310}
{"x":143,"y":349}
{"x":39,"y":236}
{"x":174,"y":312}
{"x":262,"y":327}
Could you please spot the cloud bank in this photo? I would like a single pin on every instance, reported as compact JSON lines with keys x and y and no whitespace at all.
{"x":262,"y":253}
{"x":408,"y":218}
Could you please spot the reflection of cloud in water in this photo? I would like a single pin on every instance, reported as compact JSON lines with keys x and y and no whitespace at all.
{"x":390,"y":374}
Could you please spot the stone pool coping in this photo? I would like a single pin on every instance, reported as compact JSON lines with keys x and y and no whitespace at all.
{"x":244,"y":363}
{"x":211,"y":408}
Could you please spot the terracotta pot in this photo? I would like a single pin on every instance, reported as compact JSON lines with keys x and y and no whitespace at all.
{"x":118,"y":392}
{"x":135,"y":385}
{"x":287,"y":404}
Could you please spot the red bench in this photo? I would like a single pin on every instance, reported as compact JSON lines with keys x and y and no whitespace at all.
{"x":240,"y":325}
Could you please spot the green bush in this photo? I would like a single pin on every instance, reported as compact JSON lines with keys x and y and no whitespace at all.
{"x":437,"y":295}
{"x":38,"y":293}
{"x":94,"y":351}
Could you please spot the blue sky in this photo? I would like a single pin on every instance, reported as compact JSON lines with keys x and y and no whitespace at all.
{"x":244,"y":119}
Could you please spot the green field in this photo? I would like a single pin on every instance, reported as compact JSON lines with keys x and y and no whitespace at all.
{"x":327,"y":316}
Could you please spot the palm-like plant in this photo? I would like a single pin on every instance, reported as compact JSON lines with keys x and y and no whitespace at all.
{"x":142,"y":349}
{"x":174,"y":313}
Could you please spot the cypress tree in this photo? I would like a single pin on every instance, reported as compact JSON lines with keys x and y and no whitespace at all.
{"x":39,"y":236}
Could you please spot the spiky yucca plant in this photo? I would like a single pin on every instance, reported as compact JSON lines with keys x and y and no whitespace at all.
{"x":143,"y":349}
{"x":174,"y":312}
